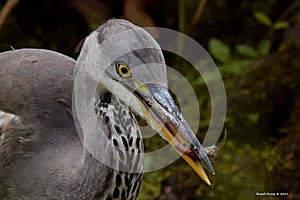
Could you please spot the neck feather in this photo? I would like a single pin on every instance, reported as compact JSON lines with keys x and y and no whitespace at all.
{"x":123,"y":149}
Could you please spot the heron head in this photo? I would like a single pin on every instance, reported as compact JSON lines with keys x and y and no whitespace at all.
{"x":132,"y":67}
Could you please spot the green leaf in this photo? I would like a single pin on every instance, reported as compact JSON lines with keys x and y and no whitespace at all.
{"x":219,"y":50}
{"x":264,"y":47}
{"x":281,"y":25}
{"x":263,"y":18}
{"x":246,"y":50}
{"x":235,"y":66}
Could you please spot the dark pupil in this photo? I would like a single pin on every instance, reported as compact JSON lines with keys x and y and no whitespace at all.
{"x":124,"y":70}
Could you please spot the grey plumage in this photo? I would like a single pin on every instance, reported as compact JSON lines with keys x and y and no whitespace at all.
{"x":43,"y":154}
{"x":43,"y":157}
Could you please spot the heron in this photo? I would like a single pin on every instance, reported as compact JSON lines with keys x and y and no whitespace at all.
{"x":43,"y":157}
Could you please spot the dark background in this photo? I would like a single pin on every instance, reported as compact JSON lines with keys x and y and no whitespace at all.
{"x":256,"y":45}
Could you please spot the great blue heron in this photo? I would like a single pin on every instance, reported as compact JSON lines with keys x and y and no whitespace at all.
{"x":42,"y":156}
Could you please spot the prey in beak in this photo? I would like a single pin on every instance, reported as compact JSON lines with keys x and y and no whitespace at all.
{"x":162,"y":114}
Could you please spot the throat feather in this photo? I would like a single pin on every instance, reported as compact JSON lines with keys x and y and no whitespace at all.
{"x":123,"y":134}
{"x":122,"y":131}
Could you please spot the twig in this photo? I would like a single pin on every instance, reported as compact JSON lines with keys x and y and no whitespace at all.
{"x":288,"y":10}
{"x":7,"y":8}
{"x":198,"y":14}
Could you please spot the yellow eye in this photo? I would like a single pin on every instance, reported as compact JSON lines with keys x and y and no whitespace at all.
{"x":123,"y":70}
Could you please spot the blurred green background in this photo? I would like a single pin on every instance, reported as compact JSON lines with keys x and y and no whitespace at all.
{"x":256,"y":46}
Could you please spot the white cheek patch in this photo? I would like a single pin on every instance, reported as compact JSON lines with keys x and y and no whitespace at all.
{"x":124,"y":94}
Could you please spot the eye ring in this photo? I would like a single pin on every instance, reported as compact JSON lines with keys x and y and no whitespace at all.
{"x":123,"y":70}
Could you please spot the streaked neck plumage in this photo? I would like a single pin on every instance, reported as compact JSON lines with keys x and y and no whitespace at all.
{"x":123,"y":144}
